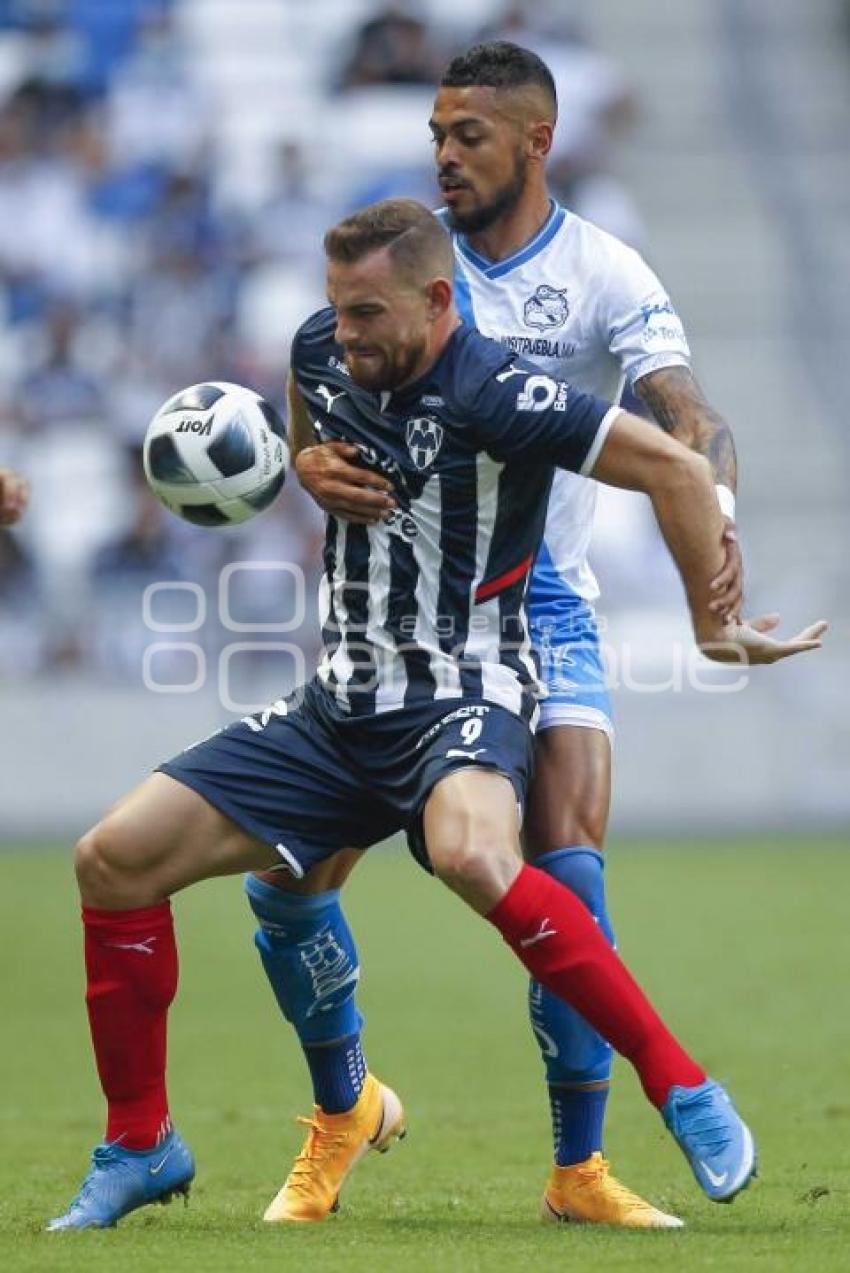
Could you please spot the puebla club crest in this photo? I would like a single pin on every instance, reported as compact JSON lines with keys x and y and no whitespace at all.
{"x":424,"y":439}
{"x":547,"y":308}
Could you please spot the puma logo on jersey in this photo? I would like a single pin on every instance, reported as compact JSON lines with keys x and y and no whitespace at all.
{"x":330,"y":398}
{"x":511,"y":371}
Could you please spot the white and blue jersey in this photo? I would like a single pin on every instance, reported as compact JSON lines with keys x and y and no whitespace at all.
{"x":582,"y":306}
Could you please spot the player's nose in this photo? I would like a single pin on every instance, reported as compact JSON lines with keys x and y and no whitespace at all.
{"x":344,"y":333}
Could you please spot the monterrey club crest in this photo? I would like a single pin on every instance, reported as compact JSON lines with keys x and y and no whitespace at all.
{"x":424,"y":439}
{"x":547,"y":308}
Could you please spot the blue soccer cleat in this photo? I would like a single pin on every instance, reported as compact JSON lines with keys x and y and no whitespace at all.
{"x":713,"y":1137}
{"x":120,"y":1180}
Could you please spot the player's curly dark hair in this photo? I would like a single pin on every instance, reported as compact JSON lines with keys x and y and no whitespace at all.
{"x":500,"y":64}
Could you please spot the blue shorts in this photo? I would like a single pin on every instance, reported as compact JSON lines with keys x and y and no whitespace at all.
{"x":308,"y":781}
{"x":571,"y":668}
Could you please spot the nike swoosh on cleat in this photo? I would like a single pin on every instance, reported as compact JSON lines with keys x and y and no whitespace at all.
{"x":373,"y":1140}
{"x":155,"y":1170}
{"x":716,"y":1180}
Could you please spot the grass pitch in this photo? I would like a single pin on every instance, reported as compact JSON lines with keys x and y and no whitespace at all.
{"x":743,"y":945}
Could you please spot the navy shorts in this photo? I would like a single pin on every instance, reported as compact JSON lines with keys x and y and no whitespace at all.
{"x":308,"y":781}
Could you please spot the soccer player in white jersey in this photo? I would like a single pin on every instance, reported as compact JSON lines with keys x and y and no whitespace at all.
{"x":563,"y":293}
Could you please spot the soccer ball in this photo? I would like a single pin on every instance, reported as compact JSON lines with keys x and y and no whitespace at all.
{"x":216,"y":454}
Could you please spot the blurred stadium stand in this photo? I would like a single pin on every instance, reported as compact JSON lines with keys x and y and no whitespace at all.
{"x":166,"y":170}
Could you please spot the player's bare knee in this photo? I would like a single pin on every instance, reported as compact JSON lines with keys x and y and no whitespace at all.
{"x":578,"y":826}
{"x":90,"y":866}
{"x":551,"y":825}
{"x":479,"y":868}
{"x":103,"y":876}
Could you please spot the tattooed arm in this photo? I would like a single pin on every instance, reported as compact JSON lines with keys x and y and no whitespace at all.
{"x":680,"y":408}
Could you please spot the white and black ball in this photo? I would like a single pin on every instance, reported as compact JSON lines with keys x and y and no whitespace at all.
{"x":216,"y":454}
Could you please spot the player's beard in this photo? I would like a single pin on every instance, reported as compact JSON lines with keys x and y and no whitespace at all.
{"x":395,"y":368}
{"x":503,"y":202}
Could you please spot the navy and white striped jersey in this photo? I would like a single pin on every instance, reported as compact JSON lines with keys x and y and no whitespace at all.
{"x":430,"y":603}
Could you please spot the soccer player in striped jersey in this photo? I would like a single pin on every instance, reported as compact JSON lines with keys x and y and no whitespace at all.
{"x":583,"y":306}
{"x":412,"y":722}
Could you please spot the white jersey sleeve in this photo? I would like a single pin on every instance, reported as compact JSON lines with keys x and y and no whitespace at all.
{"x":637,"y":319}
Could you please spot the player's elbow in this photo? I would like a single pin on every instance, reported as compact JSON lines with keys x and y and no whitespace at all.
{"x":678,"y":473}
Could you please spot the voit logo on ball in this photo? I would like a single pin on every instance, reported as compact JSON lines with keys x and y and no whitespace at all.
{"x":424,"y":438}
{"x":547,"y":308}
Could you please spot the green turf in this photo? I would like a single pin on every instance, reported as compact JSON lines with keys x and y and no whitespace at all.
{"x":745,"y":946}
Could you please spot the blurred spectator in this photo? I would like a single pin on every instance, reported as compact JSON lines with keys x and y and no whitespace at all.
{"x":42,"y":206}
{"x":59,"y":388}
{"x":145,"y":548}
{"x":183,"y":296}
{"x":143,"y":553}
{"x":177,"y":309}
{"x":292,"y":220}
{"x":156,"y":110}
{"x":55,"y":53}
{"x":22,"y":638}
{"x":108,"y":30}
{"x":393,"y":47}
{"x":184,"y":223}
{"x":283,"y":275}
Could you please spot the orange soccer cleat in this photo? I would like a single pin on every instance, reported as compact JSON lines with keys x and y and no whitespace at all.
{"x":587,"y":1193}
{"x":335,"y":1144}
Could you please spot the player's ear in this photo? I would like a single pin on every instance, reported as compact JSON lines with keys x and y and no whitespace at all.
{"x":539,"y":139}
{"x":439,"y":292}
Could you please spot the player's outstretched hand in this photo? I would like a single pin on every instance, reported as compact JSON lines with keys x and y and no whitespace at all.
{"x":749,"y":641}
{"x":728,"y":587}
{"x":14,"y":496}
{"x":330,"y":472}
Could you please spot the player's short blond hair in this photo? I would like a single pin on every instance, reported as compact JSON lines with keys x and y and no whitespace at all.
{"x":419,"y":247}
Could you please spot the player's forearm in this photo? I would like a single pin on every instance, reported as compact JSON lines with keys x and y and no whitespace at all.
{"x":679,"y":483}
{"x":689,"y":517}
{"x":681,"y":409}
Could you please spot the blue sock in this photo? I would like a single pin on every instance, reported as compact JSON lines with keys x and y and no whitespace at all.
{"x":310,"y":959}
{"x":578,"y":1115}
{"x":338,"y":1071}
{"x":577,"y":1059}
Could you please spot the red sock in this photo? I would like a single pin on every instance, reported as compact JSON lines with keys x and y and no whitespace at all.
{"x":131,"y":970}
{"x":561,"y":946}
